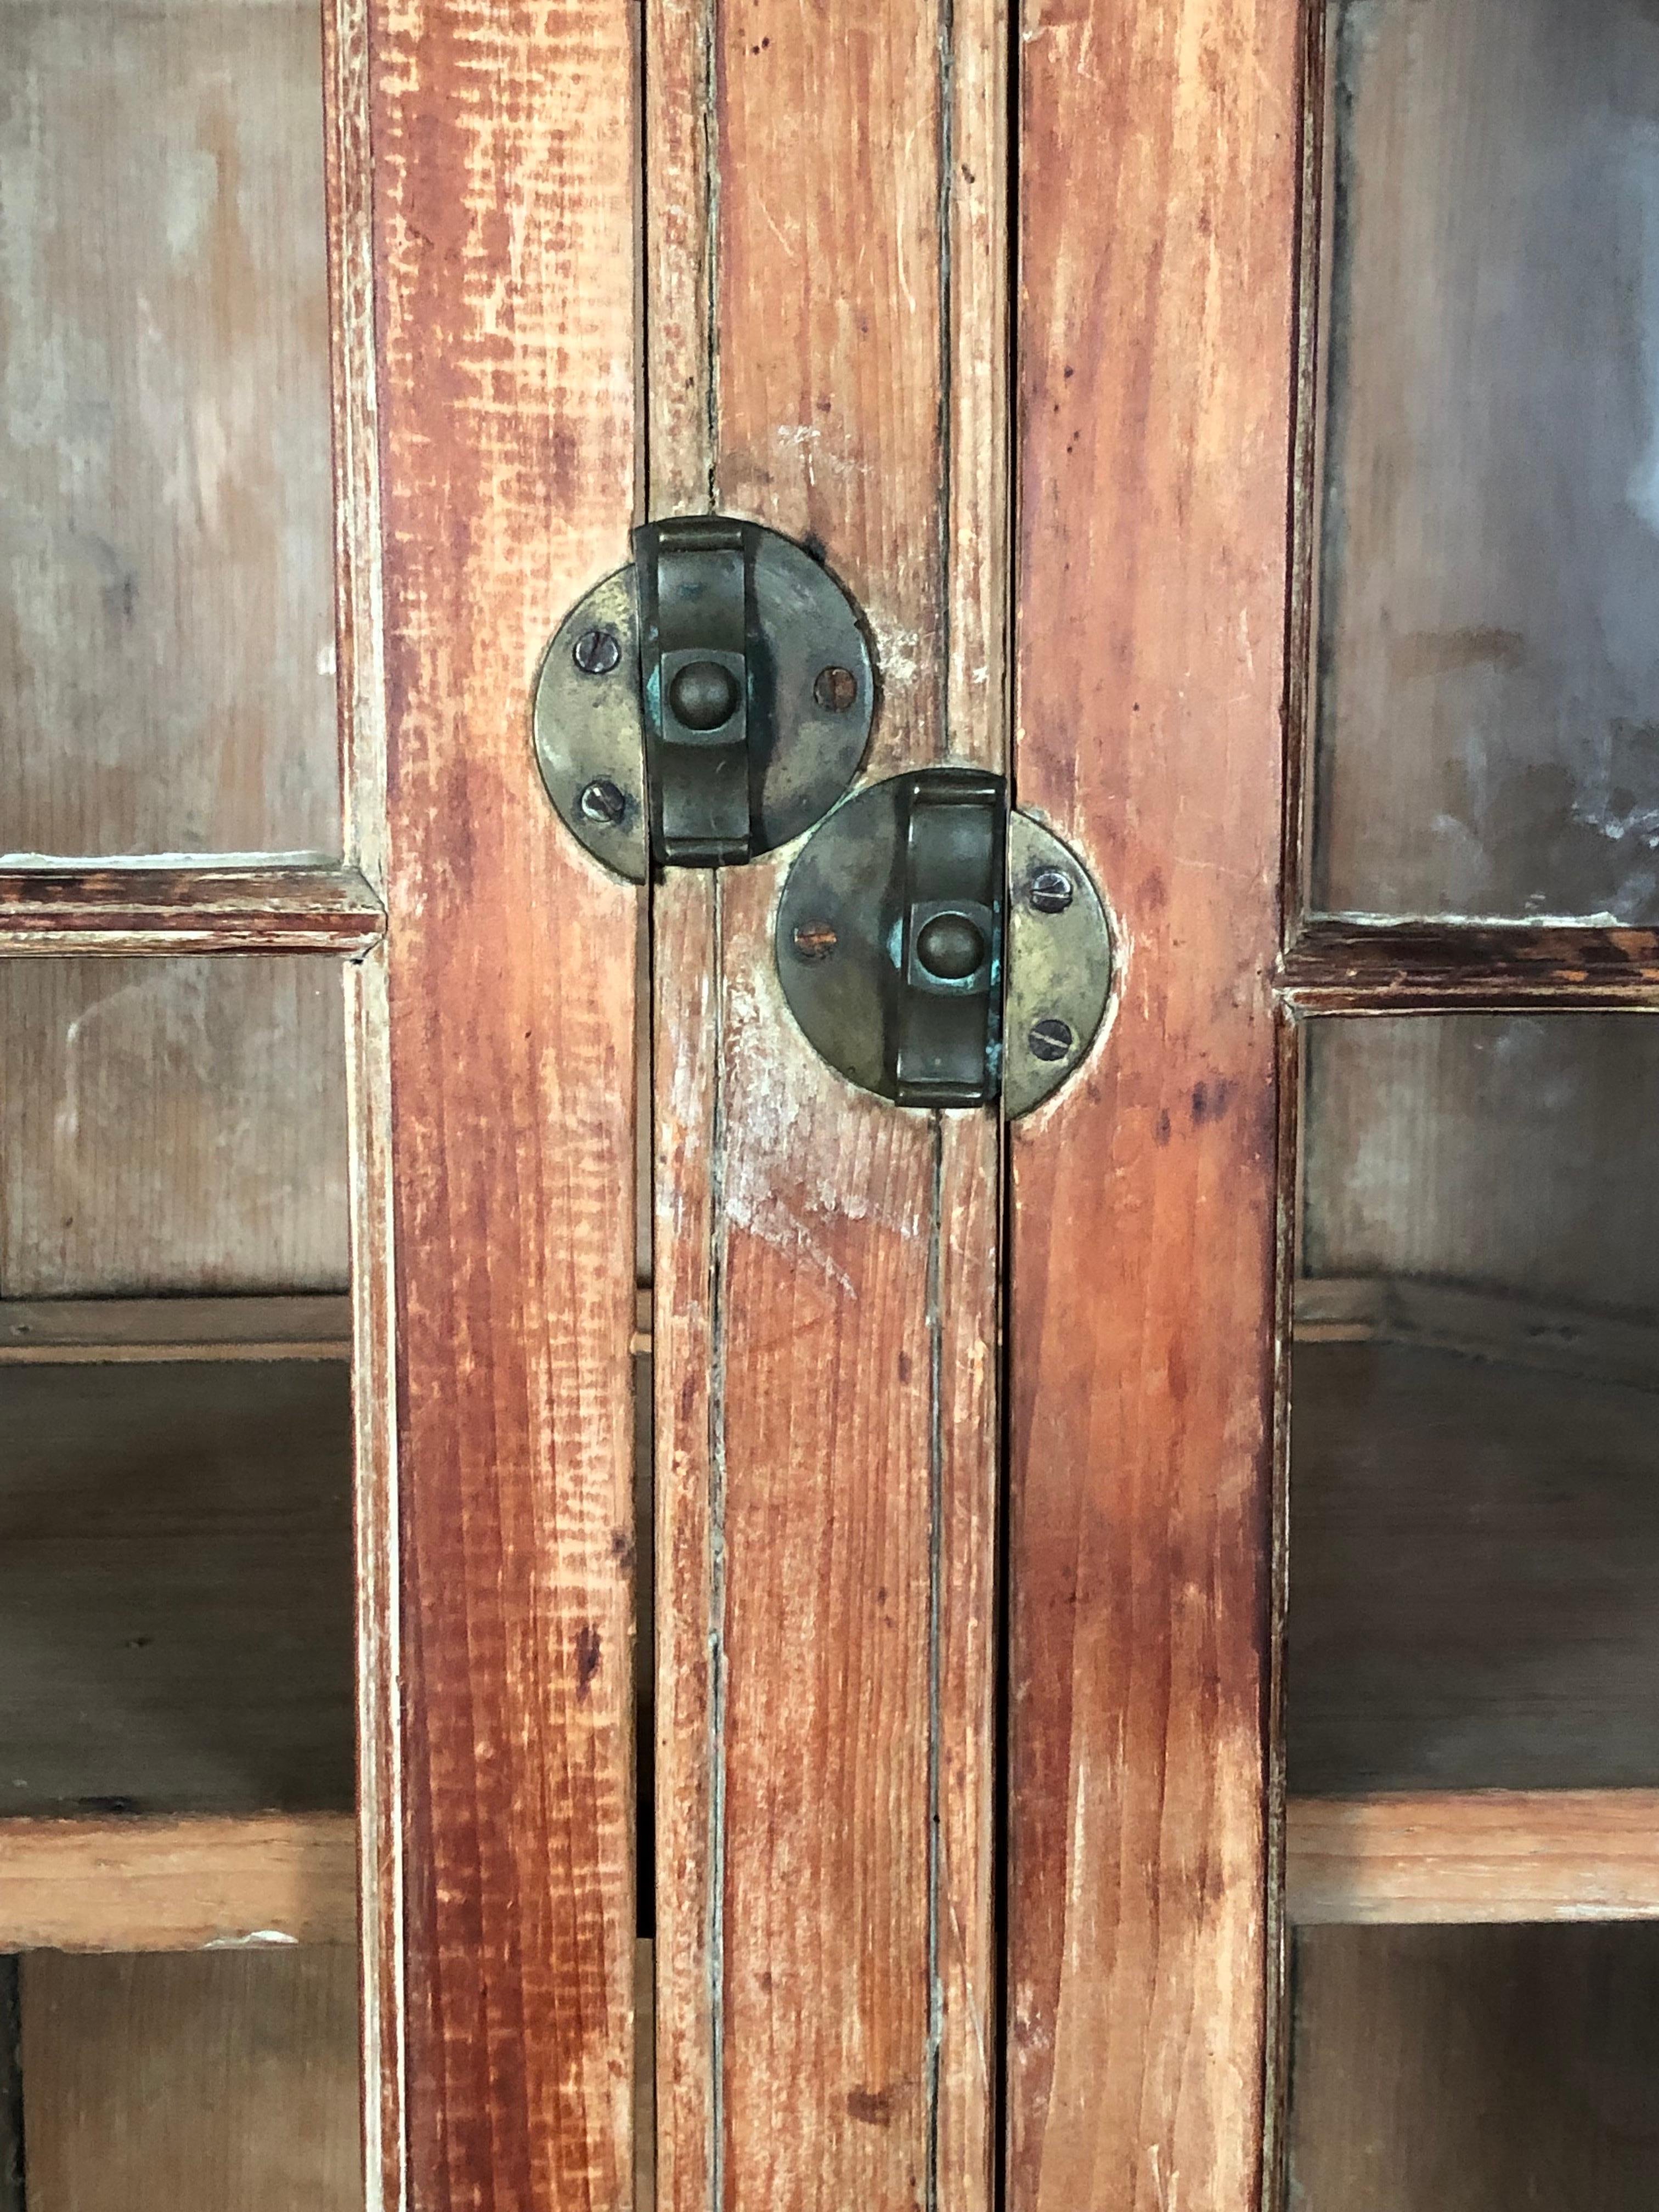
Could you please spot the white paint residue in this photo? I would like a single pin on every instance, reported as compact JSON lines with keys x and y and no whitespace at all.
{"x":190,"y":187}
{"x":898,"y":652}
{"x":256,"y":1938}
{"x":1167,"y":2197}
{"x":767,"y":1131}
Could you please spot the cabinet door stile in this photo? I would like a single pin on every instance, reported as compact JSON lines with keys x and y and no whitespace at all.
{"x":1155,"y":358}
{"x":505,"y":268}
{"x":826,"y":1265}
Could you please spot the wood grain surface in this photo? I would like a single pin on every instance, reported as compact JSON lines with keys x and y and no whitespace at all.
{"x":1463,"y":1857}
{"x":226,"y":2079}
{"x":167,"y":614}
{"x":97,"y":1331}
{"x":159,"y":907}
{"x":504,"y":149}
{"x":1154,"y":350}
{"x":1344,"y":967}
{"x":826,"y":324}
{"x":177,"y":1884}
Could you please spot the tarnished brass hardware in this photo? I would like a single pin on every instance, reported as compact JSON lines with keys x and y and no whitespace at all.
{"x":706,"y":704}
{"x":941,"y":952}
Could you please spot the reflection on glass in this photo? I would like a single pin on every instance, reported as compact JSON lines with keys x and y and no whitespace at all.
{"x":166,"y":642}
{"x":1488,"y":694}
{"x":1475,"y":1452}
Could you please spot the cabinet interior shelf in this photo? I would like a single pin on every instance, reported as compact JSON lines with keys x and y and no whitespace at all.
{"x":1472,"y":1639}
{"x":1473,"y":1856}
{"x":137,"y":1884}
{"x":185,"y":1884}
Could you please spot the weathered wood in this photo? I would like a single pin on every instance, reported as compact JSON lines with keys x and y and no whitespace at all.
{"x":826,"y":1284}
{"x":1377,"y":967}
{"x":504,"y":143}
{"x":1482,"y":1856}
{"x":63,"y":1331}
{"x":167,"y":633}
{"x":177,"y":1884}
{"x":226,"y":2078}
{"x":1474,"y":2069}
{"x":379,"y":1622}
{"x":162,"y":907}
{"x":1154,"y":360}
{"x":171,"y":1126}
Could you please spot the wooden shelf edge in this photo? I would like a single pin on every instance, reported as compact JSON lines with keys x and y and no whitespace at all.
{"x":1352,"y":967}
{"x":1434,"y":1317}
{"x":177,"y":1884}
{"x":130,"y":908}
{"x":1465,"y":1857}
{"x":72,"y":1332}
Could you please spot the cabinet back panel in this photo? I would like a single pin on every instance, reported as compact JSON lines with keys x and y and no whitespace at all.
{"x":193,"y":2083}
{"x":1476,"y":2069}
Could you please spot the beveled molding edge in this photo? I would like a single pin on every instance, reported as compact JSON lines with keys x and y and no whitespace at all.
{"x":1357,"y":965}
{"x":172,"y":904}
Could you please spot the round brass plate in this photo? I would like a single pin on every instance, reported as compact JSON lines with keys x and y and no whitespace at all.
{"x":818,"y":676}
{"x":1059,"y":966}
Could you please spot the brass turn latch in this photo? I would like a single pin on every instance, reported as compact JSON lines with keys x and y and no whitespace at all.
{"x":712,"y":702}
{"x":941,"y":949}
{"x":706,"y":704}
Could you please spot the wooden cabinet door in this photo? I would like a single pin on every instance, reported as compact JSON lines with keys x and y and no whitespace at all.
{"x":822,"y":1566}
{"x":954,"y":1737}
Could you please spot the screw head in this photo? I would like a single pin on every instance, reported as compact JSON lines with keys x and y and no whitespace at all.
{"x":602,"y":801}
{"x":597,"y":652}
{"x":703,"y":695}
{"x":1051,"y":890}
{"x":814,"y":940}
{"x":835,"y":689}
{"x":1050,"y":1038}
{"x":951,"y":947}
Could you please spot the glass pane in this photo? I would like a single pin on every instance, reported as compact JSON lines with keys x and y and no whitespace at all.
{"x":1474,"y":1472}
{"x":166,"y":642}
{"x":171,"y":1126}
{"x":175,"y":1494}
{"x":1488,"y":572}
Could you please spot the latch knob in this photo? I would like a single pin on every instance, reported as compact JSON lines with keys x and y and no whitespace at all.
{"x":940,"y":951}
{"x":706,"y":704}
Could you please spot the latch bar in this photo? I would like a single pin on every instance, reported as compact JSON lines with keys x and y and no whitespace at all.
{"x":945,"y":1025}
{"x":698,"y":656}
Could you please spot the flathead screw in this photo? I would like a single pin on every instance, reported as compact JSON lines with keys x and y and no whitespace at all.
{"x":602,"y":801}
{"x":1051,"y":890}
{"x":814,"y":940}
{"x":1050,"y":1038}
{"x":835,"y":689}
{"x":597,"y":652}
